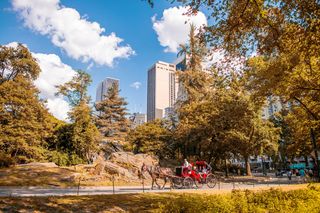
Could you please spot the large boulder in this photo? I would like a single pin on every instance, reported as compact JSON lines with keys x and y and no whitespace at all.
{"x":121,"y":165}
{"x":130,"y":160}
{"x":118,"y":172}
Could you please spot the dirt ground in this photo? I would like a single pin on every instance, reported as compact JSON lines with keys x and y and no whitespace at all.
{"x":55,"y":176}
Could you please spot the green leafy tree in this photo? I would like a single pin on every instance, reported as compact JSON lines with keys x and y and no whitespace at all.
{"x":284,"y":34}
{"x":24,"y":121}
{"x":84,"y":134}
{"x":151,"y":137}
{"x":111,"y":118}
{"x":76,"y":90}
{"x":16,"y":61}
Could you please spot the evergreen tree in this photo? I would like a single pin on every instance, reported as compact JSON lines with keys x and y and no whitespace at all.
{"x":111,"y":119}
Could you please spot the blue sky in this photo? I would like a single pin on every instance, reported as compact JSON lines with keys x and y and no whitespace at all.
{"x":130,"y":20}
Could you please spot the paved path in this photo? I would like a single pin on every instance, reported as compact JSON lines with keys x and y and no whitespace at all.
{"x":37,"y":191}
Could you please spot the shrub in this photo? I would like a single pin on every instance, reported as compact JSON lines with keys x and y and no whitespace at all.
{"x":273,"y":200}
{"x":6,"y":160}
{"x":64,"y":159}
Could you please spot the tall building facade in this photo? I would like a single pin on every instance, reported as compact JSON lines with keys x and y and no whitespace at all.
{"x":104,"y":86}
{"x":162,"y":89}
{"x":274,"y":105}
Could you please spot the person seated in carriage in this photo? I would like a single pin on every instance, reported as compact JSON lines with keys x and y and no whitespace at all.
{"x":187,"y":167}
{"x":203,"y":167}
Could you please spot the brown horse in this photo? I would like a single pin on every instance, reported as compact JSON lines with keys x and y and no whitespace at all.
{"x":156,"y":172}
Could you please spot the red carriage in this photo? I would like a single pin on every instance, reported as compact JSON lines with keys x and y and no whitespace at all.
{"x":194,"y":176}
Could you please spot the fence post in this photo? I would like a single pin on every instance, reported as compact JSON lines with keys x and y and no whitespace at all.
{"x":113,"y":191}
{"x":233,"y":185}
{"x":79,"y":185}
{"x":219,"y":185}
{"x":143,"y":185}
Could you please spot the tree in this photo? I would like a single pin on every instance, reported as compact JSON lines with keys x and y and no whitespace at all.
{"x":84,"y":134}
{"x":25,"y":123}
{"x":300,"y":144}
{"x":111,"y":118}
{"x":286,"y":37}
{"x":243,"y":26}
{"x":76,"y":89}
{"x":151,"y":137}
{"x":16,"y":61}
{"x":193,"y":81}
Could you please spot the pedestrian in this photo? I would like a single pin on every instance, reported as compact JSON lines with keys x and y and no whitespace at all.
{"x":302,"y":173}
{"x":289,"y":174}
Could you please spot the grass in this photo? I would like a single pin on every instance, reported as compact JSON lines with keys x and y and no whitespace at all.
{"x":37,"y":176}
{"x":53,"y":176}
{"x":272,"y":200}
{"x":98,"y":203}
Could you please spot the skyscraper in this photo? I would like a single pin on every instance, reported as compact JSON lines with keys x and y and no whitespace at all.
{"x":104,"y":86}
{"x":162,"y":89}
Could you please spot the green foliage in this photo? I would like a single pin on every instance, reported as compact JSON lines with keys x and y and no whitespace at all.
{"x":85,"y":135}
{"x":111,"y":118}
{"x":151,"y":137}
{"x":17,"y":61}
{"x":286,"y":37}
{"x":76,"y":89}
{"x":6,"y":160}
{"x":82,"y":136}
{"x":24,"y":122}
{"x":64,"y":159}
{"x":27,"y":131}
{"x":306,"y":200}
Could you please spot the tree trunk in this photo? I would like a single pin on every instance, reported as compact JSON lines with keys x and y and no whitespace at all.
{"x":248,"y":168}
{"x":306,"y":161}
{"x":226,"y":167}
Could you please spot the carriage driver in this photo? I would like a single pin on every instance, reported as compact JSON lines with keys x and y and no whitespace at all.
{"x":186,"y":164}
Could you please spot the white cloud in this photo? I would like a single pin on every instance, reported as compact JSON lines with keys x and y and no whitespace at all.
{"x":59,"y":108}
{"x":214,"y":58}
{"x":174,"y":26}
{"x":136,"y":85}
{"x":53,"y":73}
{"x":81,"y":39}
{"x":223,"y":61}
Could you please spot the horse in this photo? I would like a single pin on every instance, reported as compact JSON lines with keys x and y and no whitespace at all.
{"x":156,"y":172}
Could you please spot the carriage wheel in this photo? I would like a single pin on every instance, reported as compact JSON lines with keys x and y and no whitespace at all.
{"x":188,"y":182}
{"x":211,"y":181}
{"x":198,"y":184}
{"x":177,"y":183}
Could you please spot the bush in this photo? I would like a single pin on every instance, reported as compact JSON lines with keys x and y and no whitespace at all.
{"x":6,"y":160}
{"x":64,"y":159}
{"x":306,"y":200}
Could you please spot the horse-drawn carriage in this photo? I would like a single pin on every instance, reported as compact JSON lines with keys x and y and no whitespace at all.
{"x":193,"y":176}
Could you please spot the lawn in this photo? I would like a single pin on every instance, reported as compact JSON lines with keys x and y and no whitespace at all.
{"x":273,"y":200}
{"x":55,"y":176}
